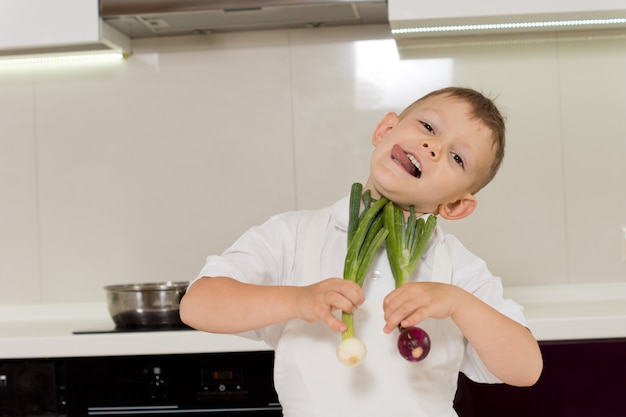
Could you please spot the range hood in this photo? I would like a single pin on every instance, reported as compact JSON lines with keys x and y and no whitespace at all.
{"x":151,"y":18}
{"x":427,"y":19}
{"x":35,"y":27}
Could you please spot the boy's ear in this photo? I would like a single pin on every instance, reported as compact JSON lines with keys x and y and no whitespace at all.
{"x":384,"y":126}
{"x":458,"y":209}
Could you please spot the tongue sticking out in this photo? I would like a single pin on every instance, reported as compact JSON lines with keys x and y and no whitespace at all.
{"x":398,"y":155}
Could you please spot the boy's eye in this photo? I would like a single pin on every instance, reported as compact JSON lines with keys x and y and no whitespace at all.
{"x":427,"y":127}
{"x":458,"y":160}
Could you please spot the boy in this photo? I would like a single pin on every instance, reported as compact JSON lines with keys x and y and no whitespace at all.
{"x":282,"y":280}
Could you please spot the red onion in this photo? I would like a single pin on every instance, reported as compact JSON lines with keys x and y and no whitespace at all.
{"x":413,"y":344}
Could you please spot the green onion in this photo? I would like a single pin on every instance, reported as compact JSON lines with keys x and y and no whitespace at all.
{"x":366,"y":234}
{"x":406,"y":242}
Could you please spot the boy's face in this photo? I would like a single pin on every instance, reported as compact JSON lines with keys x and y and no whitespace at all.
{"x":432,"y":158}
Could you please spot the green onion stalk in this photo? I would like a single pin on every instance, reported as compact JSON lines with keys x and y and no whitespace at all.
{"x":366,"y":234}
{"x":406,"y":241}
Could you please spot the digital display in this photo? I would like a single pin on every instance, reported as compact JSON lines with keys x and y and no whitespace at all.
{"x":227,"y":377}
{"x":223,"y":375}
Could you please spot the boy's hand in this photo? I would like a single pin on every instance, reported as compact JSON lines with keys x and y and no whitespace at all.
{"x":318,"y":301}
{"x":414,"y":302}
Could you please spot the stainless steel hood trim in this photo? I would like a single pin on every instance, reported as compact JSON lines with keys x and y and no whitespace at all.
{"x":114,"y":8}
{"x":149,"y":18}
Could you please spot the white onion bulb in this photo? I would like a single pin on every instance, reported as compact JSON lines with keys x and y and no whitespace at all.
{"x":351,"y":351}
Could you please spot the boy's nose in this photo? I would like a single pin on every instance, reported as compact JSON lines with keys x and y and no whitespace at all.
{"x":434,"y":153}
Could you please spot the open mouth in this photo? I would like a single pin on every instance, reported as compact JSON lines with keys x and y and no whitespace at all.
{"x":407,"y":161}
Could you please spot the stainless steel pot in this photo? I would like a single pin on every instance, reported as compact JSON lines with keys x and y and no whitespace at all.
{"x":146,"y":306}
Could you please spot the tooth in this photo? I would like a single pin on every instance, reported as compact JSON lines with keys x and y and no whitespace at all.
{"x":414,"y":161}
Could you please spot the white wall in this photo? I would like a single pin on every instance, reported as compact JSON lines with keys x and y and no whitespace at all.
{"x":134,"y":172}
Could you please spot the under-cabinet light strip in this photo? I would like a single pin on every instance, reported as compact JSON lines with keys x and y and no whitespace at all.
{"x":43,"y":59}
{"x":512,"y":25}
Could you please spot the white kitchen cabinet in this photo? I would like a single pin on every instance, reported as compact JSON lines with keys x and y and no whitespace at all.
{"x":30,"y":23}
{"x":43,"y":26}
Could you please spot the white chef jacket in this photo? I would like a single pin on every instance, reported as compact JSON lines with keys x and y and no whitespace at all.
{"x":309,"y":379}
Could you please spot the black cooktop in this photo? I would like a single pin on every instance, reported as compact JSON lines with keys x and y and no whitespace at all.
{"x":134,"y":329}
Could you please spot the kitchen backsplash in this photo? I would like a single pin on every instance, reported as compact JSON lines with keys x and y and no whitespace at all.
{"x":136,"y":171}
